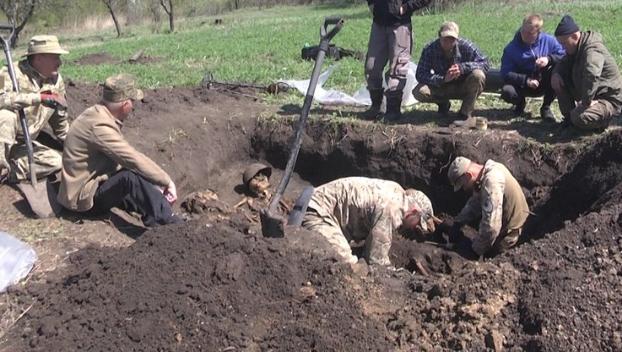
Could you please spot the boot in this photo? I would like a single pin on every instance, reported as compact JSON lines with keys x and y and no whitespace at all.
{"x":374,"y":112}
{"x":394,"y":106}
{"x":547,"y":114}
{"x":466,"y":122}
{"x":519,"y":108}
{"x":443,"y":108}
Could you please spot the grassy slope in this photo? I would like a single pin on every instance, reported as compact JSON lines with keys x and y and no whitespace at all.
{"x":264,"y":45}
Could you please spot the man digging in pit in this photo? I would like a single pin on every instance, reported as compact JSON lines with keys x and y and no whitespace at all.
{"x":42,"y":97}
{"x":366,"y":209}
{"x":497,"y":200}
{"x":587,"y":81}
{"x":101,"y":170}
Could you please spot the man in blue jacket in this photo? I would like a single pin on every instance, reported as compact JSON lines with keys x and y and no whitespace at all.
{"x":390,"y":41}
{"x":526,"y":66}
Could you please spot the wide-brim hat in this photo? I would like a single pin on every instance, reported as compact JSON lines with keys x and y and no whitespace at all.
{"x":45,"y":44}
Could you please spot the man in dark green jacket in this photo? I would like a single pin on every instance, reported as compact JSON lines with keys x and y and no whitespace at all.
{"x":587,"y":81}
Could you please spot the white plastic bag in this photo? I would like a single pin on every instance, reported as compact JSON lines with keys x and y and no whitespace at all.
{"x":361,"y":97}
{"x":16,"y":260}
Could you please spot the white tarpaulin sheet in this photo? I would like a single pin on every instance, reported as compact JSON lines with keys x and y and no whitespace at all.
{"x":360,"y":97}
{"x":16,"y":260}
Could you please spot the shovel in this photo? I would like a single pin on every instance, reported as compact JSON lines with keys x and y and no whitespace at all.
{"x":40,"y":195}
{"x":273,"y":223}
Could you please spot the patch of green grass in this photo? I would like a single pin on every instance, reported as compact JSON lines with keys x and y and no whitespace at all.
{"x":262,"y":46}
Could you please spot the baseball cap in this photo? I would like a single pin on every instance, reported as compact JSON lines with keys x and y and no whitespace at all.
{"x":449,"y":29}
{"x":458,"y":168}
{"x":121,"y":87}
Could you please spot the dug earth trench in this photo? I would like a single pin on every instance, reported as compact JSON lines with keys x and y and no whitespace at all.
{"x":215,"y":284}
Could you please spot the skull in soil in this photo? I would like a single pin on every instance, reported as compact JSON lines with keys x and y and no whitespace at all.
{"x":259,"y":185}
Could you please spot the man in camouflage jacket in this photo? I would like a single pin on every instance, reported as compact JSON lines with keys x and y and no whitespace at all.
{"x":42,"y":97}
{"x":361,"y":208}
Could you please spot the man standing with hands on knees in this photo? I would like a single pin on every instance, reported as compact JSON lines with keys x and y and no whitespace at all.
{"x":101,"y":170}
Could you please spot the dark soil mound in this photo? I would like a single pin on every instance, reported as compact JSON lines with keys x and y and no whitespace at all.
{"x":97,"y":59}
{"x":201,"y":287}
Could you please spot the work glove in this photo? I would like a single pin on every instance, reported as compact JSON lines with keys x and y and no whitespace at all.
{"x":53,"y":100}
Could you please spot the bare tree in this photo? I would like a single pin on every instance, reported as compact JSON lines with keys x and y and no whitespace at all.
{"x":111,"y":4}
{"x":18,"y":12}
{"x":169,"y":12}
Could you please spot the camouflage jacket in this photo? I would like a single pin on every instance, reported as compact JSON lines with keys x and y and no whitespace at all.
{"x":499,"y":200}
{"x":364,"y":207}
{"x":31,"y":84}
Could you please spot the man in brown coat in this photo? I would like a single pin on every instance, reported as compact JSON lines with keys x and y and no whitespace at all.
{"x":101,"y":170}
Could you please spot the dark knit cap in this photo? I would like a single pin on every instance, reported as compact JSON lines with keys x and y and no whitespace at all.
{"x":566,"y":26}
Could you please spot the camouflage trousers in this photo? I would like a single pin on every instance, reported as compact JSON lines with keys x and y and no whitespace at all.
{"x":467,"y":90}
{"x":330,"y":230}
{"x":15,"y":154}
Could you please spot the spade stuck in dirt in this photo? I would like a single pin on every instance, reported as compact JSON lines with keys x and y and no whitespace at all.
{"x":40,"y":195}
{"x":273,"y":223}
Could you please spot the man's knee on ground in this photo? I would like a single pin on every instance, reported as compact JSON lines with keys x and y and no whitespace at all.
{"x":587,"y":120}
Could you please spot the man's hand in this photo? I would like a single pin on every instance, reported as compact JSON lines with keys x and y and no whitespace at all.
{"x":533,"y":83}
{"x":452,"y":73}
{"x":53,"y":100}
{"x":170,"y":193}
{"x":542,"y":62}
{"x":557,"y":82}
{"x":588,"y":104}
{"x":455,"y":233}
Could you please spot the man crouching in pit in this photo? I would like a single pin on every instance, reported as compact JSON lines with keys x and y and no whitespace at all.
{"x":497,"y":200}
{"x":360,"y":208}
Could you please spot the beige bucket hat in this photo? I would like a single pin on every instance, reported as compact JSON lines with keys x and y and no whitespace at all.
{"x":45,"y":44}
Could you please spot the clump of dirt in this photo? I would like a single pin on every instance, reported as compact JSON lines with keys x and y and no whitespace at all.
{"x":213,"y":288}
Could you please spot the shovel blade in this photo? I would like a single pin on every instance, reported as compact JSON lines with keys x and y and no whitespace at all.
{"x":42,"y":198}
{"x":272,"y":224}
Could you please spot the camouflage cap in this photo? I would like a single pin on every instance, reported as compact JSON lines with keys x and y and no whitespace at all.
{"x":45,"y":44}
{"x":458,"y":168}
{"x":121,"y":87}
{"x":420,"y":200}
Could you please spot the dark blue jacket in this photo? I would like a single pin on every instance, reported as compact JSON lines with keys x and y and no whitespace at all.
{"x":386,"y":12}
{"x":519,"y":59}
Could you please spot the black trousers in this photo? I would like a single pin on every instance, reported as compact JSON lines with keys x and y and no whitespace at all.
{"x":516,"y":95}
{"x":132,"y":192}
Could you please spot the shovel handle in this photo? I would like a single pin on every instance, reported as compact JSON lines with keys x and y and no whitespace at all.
{"x":22,"y":116}
{"x":327,"y":33}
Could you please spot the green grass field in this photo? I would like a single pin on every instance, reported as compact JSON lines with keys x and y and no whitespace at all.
{"x":262,"y":46}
